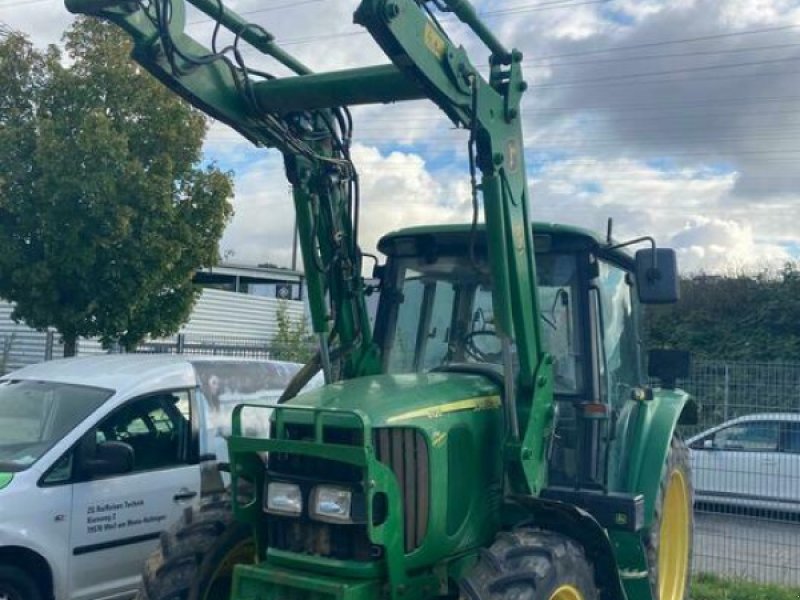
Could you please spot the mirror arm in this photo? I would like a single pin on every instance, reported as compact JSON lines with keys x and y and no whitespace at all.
{"x":639,"y":240}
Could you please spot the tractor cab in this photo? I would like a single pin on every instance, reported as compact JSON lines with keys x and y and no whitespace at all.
{"x":436,"y":314}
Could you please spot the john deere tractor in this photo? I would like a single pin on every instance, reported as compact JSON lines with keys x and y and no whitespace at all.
{"x":494,"y":436}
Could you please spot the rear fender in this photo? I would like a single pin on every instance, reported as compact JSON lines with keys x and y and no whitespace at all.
{"x":580,"y":526}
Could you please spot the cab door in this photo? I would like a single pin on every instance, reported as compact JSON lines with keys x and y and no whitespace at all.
{"x":116,"y":519}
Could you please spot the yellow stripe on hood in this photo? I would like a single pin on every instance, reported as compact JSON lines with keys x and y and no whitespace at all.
{"x":434,"y":412}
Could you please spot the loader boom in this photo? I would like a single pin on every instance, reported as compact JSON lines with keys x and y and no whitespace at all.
{"x":304,"y":116}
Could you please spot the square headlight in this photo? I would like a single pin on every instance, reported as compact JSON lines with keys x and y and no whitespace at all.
{"x":283,"y":499}
{"x":332,"y":504}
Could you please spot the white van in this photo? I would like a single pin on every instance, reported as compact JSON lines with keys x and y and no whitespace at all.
{"x":99,"y":455}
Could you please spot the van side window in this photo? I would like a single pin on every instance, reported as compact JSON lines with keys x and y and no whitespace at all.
{"x":157,"y":427}
{"x":791,"y":441}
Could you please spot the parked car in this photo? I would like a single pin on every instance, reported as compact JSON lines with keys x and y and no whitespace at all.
{"x":99,"y":455}
{"x":752,"y":461}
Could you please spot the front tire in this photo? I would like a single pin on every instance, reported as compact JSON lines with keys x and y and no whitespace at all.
{"x":531,"y":564}
{"x":16,"y":584}
{"x":195,"y":558}
{"x":669,"y":544}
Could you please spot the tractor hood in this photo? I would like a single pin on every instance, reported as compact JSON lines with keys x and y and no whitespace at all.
{"x":5,"y":479}
{"x":397,"y":400}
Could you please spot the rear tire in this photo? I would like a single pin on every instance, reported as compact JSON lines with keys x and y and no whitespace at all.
{"x":531,"y":564}
{"x":16,"y":584}
{"x":195,"y":558}
{"x":669,"y":544}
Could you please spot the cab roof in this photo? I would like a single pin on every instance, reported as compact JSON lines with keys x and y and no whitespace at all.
{"x":565,"y":233}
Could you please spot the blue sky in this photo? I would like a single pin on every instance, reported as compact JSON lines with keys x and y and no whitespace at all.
{"x":677,"y":118}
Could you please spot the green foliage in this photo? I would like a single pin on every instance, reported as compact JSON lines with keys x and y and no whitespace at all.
{"x":744,"y":317}
{"x":292,"y":341}
{"x":105,"y":209}
{"x":711,"y":587}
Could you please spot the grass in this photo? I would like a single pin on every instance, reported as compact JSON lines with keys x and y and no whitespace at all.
{"x":711,"y":587}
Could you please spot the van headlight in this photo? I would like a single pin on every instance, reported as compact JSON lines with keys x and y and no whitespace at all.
{"x":284,"y":499}
{"x":331,"y":504}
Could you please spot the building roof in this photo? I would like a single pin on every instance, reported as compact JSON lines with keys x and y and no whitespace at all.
{"x":265,"y":274}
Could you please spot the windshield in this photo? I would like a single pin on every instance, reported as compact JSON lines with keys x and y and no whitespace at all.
{"x":444,"y":315}
{"x":34,"y":415}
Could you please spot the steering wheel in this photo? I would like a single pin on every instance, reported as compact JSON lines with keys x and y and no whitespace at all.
{"x":473,"y":350}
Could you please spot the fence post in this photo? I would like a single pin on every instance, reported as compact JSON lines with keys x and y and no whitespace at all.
{"x":180,"y":344}
{"x":48,"y":345}
{"x":727,"y":393}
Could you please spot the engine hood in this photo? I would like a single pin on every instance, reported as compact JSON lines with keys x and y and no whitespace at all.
{"x":397,"y":400}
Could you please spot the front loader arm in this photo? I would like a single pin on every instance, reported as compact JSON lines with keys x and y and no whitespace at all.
{"x":302,"y":116}
{"x":314,"y":144}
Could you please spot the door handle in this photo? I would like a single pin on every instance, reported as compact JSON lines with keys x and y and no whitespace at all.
{"x":184,"y":494}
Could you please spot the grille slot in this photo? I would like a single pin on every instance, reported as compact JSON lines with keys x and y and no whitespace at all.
{"x":405,"y":452}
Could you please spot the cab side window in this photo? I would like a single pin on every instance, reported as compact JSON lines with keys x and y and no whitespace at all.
{"x":157,"y":428}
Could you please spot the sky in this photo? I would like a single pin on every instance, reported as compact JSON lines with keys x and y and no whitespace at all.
{"x":678,"y":119}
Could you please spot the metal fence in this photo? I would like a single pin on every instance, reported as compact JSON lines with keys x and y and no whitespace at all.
{"x":745,"y":455}
{"x":228,"y":346}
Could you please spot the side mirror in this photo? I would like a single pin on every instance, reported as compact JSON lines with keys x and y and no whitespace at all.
{"x":708,"y":444}
{"x":668,"y":366}
{"x":657,"y":276}
{"x":111,"y":458}
{"x":690,"y":415}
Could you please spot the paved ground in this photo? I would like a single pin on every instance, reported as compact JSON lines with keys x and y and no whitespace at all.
{"x":764,"y":550}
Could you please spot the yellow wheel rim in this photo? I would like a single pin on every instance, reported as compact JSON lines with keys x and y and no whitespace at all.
{"x":673,"y":548}
{"x":566,"y":592}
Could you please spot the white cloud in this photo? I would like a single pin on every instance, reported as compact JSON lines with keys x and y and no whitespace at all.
{"x":720,"y":245}
{"x":728,"y":135}
{"x":397,"y":191}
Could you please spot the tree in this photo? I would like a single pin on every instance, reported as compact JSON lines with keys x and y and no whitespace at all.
{"x":105,"y":208}
{"x":292,"y":341}
{"x":741,"y":317}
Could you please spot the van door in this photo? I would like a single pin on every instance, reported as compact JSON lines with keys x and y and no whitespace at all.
{"x":117,"y":519}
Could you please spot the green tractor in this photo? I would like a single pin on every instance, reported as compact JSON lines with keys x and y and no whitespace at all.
{"x":494,"y":435}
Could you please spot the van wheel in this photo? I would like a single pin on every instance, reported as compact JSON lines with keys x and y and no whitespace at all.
{"x":195,"y":558}
{"x":669,"y":544}
{"x":531,"y":564}
{"x":16,"y":584}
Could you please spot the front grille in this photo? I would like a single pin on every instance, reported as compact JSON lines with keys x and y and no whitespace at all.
{"x":303,"y":536}
{"x":405,"y":452}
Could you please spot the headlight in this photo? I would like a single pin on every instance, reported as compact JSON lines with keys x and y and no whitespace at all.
{"x":332,"y":504}
{"x":284,"y":499}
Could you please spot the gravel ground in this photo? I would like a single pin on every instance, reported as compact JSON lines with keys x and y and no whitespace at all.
{"x":755,"y":548}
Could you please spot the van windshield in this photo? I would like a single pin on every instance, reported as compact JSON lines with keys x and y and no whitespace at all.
{"x":34,"y":415}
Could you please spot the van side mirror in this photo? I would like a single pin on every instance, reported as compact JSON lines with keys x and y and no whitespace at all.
{"x":657,"y":276}
{"x":111,"y":458}
{"x":668,"y":365}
